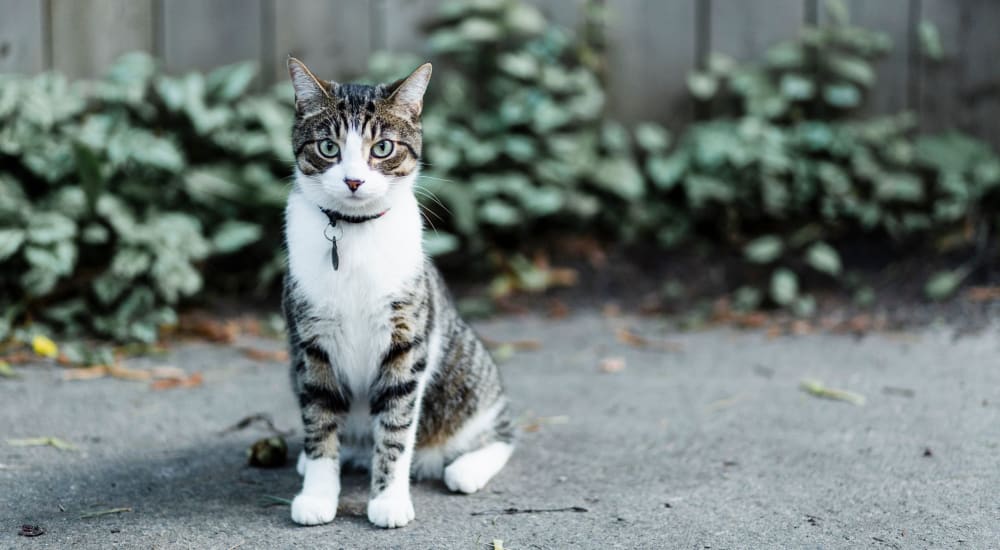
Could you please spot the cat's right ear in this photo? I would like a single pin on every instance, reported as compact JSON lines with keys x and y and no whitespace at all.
{"x":308,"y":88}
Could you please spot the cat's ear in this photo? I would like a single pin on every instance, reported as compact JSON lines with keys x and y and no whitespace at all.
{"x":308,"y":88}
{"x":409,"y":92}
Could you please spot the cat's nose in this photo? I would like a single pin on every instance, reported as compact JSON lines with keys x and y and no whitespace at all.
{"x":353,"y":184}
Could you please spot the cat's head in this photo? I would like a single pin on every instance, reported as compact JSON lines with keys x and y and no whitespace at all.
{"x":357,"y":147}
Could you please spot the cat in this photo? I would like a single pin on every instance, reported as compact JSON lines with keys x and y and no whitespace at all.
{"x":388,"y":375}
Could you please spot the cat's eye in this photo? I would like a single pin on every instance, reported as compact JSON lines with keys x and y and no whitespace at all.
{"x":329,"y":148}
{"x":382,"y":149}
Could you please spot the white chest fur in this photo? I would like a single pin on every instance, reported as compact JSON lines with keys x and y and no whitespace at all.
{"x":378,"y":259}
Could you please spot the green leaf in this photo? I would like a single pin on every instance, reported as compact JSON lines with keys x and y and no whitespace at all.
{"x":823,"y":257}
{"x":231,"y":81}
{"x":50,"y":227}
{"x":797,"y":87}
{"x":764,"y":249}
{"x":500,"y":213}
{"x":843,"y":96}
{"x":943,"y":284}
{"x":837,"y":11}
{"x":702,"y":86}
{"x":10,"y":242}
{"x":667,"y":171}
{"x":784,"y":287}
{"x":651,"y":137}
{"x":129,"y":263}
{"x":439,"y":243}
{"x":900,"y":186}
{"x":930,"y":40}
{"x":621,"y":177}
{"x":234,"y":235}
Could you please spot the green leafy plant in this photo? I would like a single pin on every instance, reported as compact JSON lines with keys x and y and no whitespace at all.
{"x":117,"y":194}
{"x":515,"y":139}
{"x":787,"y":168}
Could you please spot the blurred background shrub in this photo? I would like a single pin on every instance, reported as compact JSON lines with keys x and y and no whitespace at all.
{"x":123,"y":197}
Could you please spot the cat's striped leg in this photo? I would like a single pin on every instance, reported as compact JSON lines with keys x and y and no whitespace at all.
{"x":323,"y":412}
{"x":395,"y":410}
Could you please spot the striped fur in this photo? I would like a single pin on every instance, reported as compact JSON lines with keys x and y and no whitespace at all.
{"x":388,"y":376}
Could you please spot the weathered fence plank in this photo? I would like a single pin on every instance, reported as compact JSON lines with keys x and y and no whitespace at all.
{"x":403,"y":25}
{"x":334,"y":38}
{"x":942,"y":85}
{"x":744,"y":30}
{"x":981,"y":69}
{"x":196,"y":34}
{"x":88,"y":35}
{"x":647,"y":64}
{"x":22,"y":35}
{"x":567,"y":13}
{"x":891,"y":92}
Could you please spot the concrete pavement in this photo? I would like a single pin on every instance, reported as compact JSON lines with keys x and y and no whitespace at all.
{"x":712,"y":445}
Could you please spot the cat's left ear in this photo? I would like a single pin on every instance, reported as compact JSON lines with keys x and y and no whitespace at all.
{"x":409,"y":92}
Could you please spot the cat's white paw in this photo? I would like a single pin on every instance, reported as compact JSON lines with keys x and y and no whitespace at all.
{"x":471,"y":471}
{"x":300,"y":466}
{"x":464,"y":478}
{"x":388,"y":510}
{"x":313,"y":509}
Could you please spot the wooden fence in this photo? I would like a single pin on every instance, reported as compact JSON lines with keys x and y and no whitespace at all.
{"x":653,"y":43}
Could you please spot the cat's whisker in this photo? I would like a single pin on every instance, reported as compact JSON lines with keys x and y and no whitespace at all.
{"x":430,"y":195}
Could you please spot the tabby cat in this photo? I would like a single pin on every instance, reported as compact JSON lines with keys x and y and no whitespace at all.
{"x":387,"y":374}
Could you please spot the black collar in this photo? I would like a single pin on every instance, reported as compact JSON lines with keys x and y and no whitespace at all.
{"x":335,"y":217}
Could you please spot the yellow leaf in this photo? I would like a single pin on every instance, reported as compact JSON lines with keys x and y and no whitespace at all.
{"x":44,"y":346}
{"x":6,"y":371}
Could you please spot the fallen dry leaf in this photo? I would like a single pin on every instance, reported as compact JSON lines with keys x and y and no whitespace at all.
{"x":269,"y":452}
{"x":629,"y":337}
{"x":983,"y":293}
{"x":557,"y":309}
{"x":192,"y":381}
{"x":801,"y":327}
{"x":516,"y":345}
{"x":44,"y":346}
{"x":19,"y":357}
{"x":612,"y":364}
{"x":205,"y":327}
{"x":533,"y":425}
{"x":611,"y":310}
{"x":117,"y":371}
{"x":277,"y":356}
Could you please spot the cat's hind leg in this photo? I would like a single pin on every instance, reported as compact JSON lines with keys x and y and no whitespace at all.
{"x":471,"y":471}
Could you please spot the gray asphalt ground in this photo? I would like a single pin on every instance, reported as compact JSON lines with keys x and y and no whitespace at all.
{"x":710,"y":446}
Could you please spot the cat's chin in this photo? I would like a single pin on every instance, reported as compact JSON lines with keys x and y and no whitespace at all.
{"x":356,"y":206}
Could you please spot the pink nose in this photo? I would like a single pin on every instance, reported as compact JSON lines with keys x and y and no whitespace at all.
{"x":353,"y":184}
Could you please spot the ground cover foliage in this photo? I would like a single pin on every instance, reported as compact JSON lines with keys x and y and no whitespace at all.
{"x":123,"y":197}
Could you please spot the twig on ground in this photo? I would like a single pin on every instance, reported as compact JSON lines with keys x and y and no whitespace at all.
{"x":247,"y":421}
{"x":512,"y":511}
{"x":43,"y":442}
{"x":108,"y":512}
{"x":271,"y":500}
{"x":817,"y":389}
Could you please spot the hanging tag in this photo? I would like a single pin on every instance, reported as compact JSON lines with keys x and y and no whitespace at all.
{"x":334,"y":256}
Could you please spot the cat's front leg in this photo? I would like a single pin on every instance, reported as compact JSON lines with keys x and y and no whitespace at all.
{"x":395,"y":414}
{"x":323,"y":412}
